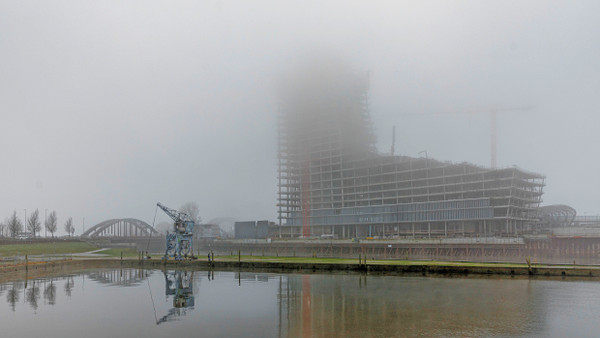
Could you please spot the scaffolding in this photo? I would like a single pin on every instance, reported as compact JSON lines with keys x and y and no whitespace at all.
{"x":332,"y":181}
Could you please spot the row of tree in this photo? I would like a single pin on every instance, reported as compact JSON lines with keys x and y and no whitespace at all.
{"x":12,"y":226}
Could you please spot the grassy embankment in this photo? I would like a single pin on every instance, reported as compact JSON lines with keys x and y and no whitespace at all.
{"x":50,"y":248}
{"x":310,"y":260}
{"x":44,"y":248}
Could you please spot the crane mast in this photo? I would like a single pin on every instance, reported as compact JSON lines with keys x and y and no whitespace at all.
{"x":179,"y":242}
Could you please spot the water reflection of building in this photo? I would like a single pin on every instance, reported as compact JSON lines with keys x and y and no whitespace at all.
{"x":390,"y":306}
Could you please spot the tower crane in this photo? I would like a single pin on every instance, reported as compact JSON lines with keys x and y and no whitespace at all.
{"x":179,"y":244}
{"x":494,"y":110}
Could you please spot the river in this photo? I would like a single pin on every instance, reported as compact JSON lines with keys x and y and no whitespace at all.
{"x":155,"y":303}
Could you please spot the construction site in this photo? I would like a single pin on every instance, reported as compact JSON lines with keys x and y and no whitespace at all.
{"x":338,"y":196}
{"x":333,"y":182}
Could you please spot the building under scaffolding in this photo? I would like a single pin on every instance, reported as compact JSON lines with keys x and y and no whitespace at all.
{"x":333,"y":182}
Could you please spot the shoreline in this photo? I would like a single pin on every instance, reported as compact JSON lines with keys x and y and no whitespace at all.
{"x":310,"y":265}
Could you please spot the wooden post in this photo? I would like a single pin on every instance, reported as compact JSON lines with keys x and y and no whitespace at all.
{"x":239,"y":256}
{"x":26,"y":263}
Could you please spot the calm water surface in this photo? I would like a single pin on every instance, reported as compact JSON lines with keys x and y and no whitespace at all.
{"x":153,"y":303}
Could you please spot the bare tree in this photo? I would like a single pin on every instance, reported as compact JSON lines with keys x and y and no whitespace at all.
{"x":69,"y":284}
{"x":69,"y":228}
{"x":32,"y":295}
{"x":72,"y":231}
{"x":33,"y":223}
{"x":193,"y":210}
{"x":2,"y":228}
{"x":50,"y":293}
{"x":51,"y":223}
{"x":12,"y":296}
{"x":14,"y":225}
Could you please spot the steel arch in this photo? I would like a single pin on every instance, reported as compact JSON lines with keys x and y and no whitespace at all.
{"x":120,"y":227}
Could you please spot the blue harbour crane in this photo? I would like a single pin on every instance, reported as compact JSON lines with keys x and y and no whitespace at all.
{"x":179,"y":242}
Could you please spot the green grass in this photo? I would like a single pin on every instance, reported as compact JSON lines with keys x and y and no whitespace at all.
{"x":47,"y":248}
{"x":371,"y":261}
{"x":116,"y":252}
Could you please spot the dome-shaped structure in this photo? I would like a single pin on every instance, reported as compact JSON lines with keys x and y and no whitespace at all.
{"x":557,"y":216}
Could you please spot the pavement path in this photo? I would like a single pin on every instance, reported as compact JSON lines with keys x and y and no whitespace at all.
{"x":93,"y":253}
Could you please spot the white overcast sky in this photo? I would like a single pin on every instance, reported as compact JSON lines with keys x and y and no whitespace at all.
{"x":108,"y":107}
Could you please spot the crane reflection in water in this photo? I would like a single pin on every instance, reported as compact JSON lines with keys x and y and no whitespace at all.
{"x":178,"y":284}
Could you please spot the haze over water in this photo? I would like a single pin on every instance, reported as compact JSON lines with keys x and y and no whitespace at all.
{"x":138,"y":303}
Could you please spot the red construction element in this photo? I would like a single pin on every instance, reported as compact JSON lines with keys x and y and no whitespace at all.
{"x":306,"y":310}
{"x":306,"y":200}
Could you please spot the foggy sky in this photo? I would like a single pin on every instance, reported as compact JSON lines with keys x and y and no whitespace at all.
{"x":111,"y":106}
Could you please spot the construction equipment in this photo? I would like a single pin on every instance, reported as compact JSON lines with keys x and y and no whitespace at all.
{"x":179,"y":242}
{"x":494,"y":110}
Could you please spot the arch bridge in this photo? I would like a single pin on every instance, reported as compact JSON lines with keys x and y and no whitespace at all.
{"x":128,"y":277}
{"x":120,"y":227}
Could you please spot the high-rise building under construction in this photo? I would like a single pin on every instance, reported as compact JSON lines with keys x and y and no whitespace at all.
{"x":332,"y":180}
